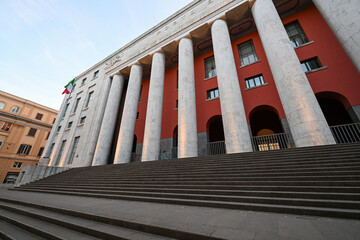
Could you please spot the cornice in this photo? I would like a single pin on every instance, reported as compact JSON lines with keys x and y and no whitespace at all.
{"x":27,"y":120}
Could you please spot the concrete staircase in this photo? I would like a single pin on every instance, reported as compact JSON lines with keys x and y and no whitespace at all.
{"x":319,"y":181}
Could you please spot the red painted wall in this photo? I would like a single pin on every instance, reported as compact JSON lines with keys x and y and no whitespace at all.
{"x":341,"y":76}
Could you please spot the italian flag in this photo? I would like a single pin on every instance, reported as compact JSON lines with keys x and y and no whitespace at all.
{"x":69,"y":87}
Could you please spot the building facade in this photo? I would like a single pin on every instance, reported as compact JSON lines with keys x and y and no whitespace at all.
{"x":25,"y":128}
{"x":218,"y":76}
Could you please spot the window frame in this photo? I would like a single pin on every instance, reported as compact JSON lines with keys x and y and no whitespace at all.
{"x":212,"y":94}
{"x":2,"y":105}
{"x":77,"y":101}
{"x":15,"y":109}
{"x":244,"y":56}
{"x":8,"y":128}
{"x":32,"y":132}
{"x":17,"y":165}
{"x":300,"y":35}
{"x":306,"y":64}
{"x":96,"y":74}
{"x":210,"y":67}
{"x":24,"y":149}
{"x":261,"y":79}
{"x":41,"y":151}
{"x":39,"y":116}
{"x":89,"y":98}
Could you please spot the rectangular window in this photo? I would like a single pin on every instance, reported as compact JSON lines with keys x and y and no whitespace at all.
{"x":89,"y":99}
{"x":47,"y":136}
{"x":32,"y":132}
{"x":51,"y":149}
{"x":1,"y":143}
{"x":296,"y":34}
{"x":41,"y":150}
{"x":73,"y":150}
{"x":177,"y":79}
{"x":6,"y":126}
{"x":247,"y":53}
{"x":54,"y":120}
{"x":65,"y":110}
{"x":39,"y":116}
{"x":69,"y":124}
{"x":310,"y":64}
{"x":24,"y":149}
{"x":58,"y":130}
{"x":212,"y":93}
{"x":76,"y":104}
{"x":177,"y":104}
{"x":15,"y":110}
{"x":61,"y":151}
{"x":140,"y":93}
{"x":17,"y":164}
{"x":137,"y":116}
{"x":210,"y":68}
{"x":82,"y":120}
{"x":254,"y":81}
{"x":11,"y":177}
{"x":83,"y":81}
{"x":96,"y":74}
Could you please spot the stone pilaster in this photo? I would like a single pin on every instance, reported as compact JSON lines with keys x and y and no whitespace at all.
{"x":103,"y":146}
{"x":187,"y":127}
{"x":152,"y":133}
{"x":237,"y":135}
{"x":306,"y":120}
{"x":128,"y":120}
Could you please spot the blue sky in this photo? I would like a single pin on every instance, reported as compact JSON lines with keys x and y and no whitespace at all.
{"x":46,"y":43}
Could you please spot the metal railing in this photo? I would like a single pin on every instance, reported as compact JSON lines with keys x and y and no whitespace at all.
{"x":135,"y":157}
{"x":214,"y":148}
{"x":174,"y":152}
{"x":346,"y":133}
{"x":270,"y":142}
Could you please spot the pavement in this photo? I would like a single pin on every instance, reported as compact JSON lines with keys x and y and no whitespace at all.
{"x":215,"y":222}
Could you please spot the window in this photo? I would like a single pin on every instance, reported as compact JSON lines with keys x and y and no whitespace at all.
{"x":213,"y":93}
{"x":177,"y":104}
{"x":11,"y":177}
{"x":39,"y":116}
{"x":6,"y":126}
{"x":76,"y":104}
{"x":177,"y":79}
{"x":83,"y":81}
{"x":65,"y":109}
{"x":247,"y":53}
{"x":82,"y":120}
{"x":210,"y":69}
{"x":69,"y":124}
{"x":2,"y":105}
{"x":24,"y":149}
{"x":96,"y":74}
{"x":73,"y":150}
{"x":137,"y":116}
{"x":1,"y":143}
{"x":296,"y":34}
{"x":54,"y":120}
{"x":15,"y":110}
{"x":47,"y":136}
{"x":311,"y":64}
{"x":17,"y":164}
{"x":51,"y":149}
{"x":89,"y":99}
{"x":41,"y":150}
{"x":254,"y":81}
{"x":58,"y":129}
{"x":61,"y":151}
{"x":32,"y":132}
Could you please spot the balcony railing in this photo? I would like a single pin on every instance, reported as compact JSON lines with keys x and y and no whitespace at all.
{"x":270,"y":142}
{"x":214,"y":148}
{"x":346,"y":133}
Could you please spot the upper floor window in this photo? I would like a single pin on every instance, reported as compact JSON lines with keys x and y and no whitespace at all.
{"x":210,"y":68}
{"x":1,"y":143}
{"x":137,"y":116}
{"x":24,"y":149}
{"x":310,"y":64}
{"x":213,"y":93}
{"x":54,"y":120}
{"x":83,"y":81}
{"x":141,"y":87}
{"x":96,"y":74}
{"x":247,"y":53}
{"x":69,"y":124}
{"x":15,"y":109}
{"x":89,"y":99}
{"x":17,"y":164}
{"x":6,"y":126}
{"x":254,"y":81}
{"x":41,"y":150}
{"x":82,"y":120}
{"x":76,"y":104}
{"x":32,"y":132}
{"x":39,"y":116}
{"x":65,"y":109}
{"x":2,"y":105}
{"x":47,"y":136}
{"x":296,"y":34}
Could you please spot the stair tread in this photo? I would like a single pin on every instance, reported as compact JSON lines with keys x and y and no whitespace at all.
{"x":13,"y":232}
{"x":104,"y":228}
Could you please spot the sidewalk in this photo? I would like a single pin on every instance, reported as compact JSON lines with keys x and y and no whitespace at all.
{"x":222,"y":223}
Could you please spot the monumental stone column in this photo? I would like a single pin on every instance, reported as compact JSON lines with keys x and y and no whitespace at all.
{"x":108,"y":125}
{"x":306,"y":120}
{"x":343,"y":17}
{"x":236,"y":131}
{"x":128,"y":120}
{"x":187,"y":127}
{"x":152,"y":133}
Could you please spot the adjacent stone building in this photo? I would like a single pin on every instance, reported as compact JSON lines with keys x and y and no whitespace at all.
{"x":25,"y":128}
{"x":218,"y":76}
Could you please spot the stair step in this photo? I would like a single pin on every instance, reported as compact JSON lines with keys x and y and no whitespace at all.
{"x":85,"y":226}
{"x":11,"y":232}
